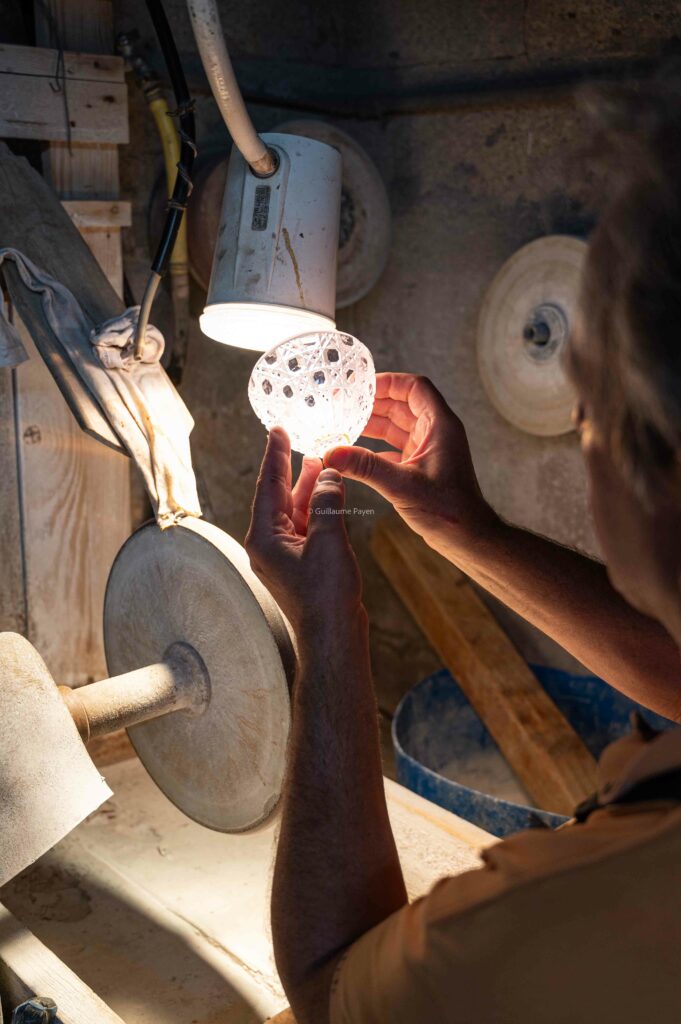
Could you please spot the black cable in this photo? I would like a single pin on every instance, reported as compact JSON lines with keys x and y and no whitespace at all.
{"x":177,"y":203}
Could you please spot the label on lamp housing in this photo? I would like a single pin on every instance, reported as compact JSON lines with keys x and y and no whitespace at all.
{"x":261,"y":207}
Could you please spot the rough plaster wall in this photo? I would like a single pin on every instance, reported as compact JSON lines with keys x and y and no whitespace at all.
{"x":468,"y":185}
{"x":467,"y":189}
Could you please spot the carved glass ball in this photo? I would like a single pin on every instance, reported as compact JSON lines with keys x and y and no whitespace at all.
{"x":319,"y":387}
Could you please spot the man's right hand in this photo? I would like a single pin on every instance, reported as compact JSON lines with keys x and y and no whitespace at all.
{"x":430,"y":479}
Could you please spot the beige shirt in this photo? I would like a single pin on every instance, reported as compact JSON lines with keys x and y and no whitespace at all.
{"x":578,"y":925}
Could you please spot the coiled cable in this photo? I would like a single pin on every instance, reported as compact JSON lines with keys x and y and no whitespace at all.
{"x":177,"y":203}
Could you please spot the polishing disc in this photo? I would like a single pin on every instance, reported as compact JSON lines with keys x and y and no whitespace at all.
{"x":223,"y":767}
{"x":525,"y":322}
{"x":364,"y":239}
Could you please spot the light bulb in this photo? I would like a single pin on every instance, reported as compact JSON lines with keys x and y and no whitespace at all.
{"x":318,"y":386}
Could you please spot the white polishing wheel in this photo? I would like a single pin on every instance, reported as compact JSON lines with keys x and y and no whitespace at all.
{"x":223,"y":767}
{"x":364,"y":239}
{"x":525,"y":321}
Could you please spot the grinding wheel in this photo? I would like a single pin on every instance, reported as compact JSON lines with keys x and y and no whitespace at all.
{"x":192,"y":583}
{"x":525,"y":322}
{"x":364,"y":239}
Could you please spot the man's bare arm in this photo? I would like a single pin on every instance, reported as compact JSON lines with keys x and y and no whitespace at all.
{"x":337,"y":873}
{"x":431,"y":482}
{"x":570,"y":598}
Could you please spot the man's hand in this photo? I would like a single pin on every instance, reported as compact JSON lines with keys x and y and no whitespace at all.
{"x":337,"y":873}
{"x":430,"y":479}
{"x":297,"y":542}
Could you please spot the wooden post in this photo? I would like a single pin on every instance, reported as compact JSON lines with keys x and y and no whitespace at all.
{"x":543,"y":750}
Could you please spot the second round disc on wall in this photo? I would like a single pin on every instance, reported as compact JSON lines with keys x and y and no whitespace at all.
{"x":525,"y":322}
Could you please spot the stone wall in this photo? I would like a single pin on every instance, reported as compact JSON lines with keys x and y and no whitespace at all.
{"x":468,"y":110}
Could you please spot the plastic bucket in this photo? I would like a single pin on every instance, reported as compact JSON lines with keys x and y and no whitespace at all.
{"x":444,"y":752}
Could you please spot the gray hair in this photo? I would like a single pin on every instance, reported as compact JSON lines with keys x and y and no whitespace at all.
{"x":626,"y":359}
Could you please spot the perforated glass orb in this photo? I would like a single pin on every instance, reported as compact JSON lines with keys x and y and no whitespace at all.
{"x":319,"y":387}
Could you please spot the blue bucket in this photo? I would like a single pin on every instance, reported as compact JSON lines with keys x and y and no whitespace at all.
{"x":444,"y":752}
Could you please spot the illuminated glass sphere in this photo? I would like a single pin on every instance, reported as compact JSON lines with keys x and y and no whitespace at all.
{"x":319,"y":387}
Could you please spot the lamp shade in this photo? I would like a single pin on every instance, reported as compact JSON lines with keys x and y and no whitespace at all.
{"x":274,"y":266}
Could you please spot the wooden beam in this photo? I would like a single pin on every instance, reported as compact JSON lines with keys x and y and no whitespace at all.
{"x":42,"y":62}
{"x":543,"y":750}
{"x":28,"y":968}
{"x":99,"y":214}
{"x":45,"y":233}
{"x":83,"y":100}
{"x":33,"y":221}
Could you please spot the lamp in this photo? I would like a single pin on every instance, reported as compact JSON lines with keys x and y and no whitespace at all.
{"x":274,"y":267}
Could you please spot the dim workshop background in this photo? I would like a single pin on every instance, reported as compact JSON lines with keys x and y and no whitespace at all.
{"x":459,"y":133}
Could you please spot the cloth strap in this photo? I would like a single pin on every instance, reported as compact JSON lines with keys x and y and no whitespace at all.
{"x":137,"y":397}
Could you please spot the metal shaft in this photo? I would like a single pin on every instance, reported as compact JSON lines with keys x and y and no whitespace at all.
{"x":179,"y":682}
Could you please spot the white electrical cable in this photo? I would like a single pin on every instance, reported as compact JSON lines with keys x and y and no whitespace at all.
{"x":210,"y":40}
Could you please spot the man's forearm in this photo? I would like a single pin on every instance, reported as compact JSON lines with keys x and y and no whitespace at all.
{"x":337,"y":873}
{"x":570,"y":598}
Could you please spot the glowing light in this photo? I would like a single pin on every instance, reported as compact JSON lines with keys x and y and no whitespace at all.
{"x":319,"y":386}
{"x":258,"y":326}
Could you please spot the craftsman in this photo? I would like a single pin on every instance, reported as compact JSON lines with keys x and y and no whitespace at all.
{"x":578,"y":925}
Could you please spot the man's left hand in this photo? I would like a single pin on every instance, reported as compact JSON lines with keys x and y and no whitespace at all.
{"x":298,"y":544}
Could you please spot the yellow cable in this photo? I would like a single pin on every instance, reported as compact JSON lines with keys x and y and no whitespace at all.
{"x":171,"y":156}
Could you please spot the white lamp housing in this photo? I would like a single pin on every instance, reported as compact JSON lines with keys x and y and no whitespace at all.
{"x":274,"y":267}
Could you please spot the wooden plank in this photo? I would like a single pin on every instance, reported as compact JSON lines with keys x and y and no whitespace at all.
{"x":28,"y":968}
{"x":99,"y":213}
{"x":75,"y":517}
{"x":79,"y":171}
{"x":76,"y":492}
{"x":43,"y":62}
{"x":32,"y":221}
{"x":82,"y":171}
{"x":541,"y":747}
{"x":99,"y":222}
{"x":45,"y":234}
{"x":88,"y":415}
{"x":30,"y":108}
{"x":12,"y":594}
{"x":105,"y":245}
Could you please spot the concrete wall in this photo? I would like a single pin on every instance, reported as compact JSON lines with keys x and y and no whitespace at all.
{"x":472,"y":174}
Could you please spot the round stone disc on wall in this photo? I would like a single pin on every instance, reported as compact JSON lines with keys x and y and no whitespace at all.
{"x":364,"y":239}
{"x":223,"y":767}
{"x":524,"y":324}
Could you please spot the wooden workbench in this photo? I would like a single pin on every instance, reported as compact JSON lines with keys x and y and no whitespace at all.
{"x":168,"y":922}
